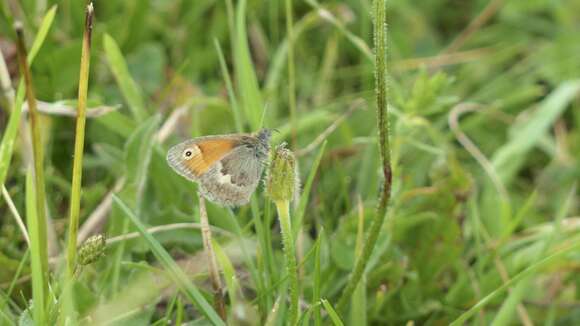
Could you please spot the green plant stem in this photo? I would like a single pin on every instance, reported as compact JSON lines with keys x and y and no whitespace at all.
{"x":11,"y":129}
{"x":39,"y":287}
{"x":383,"y":128}
{"x":40,"y":226}
{"x":79,"y":143}
{"x":173,"y":270}
{"x":317,"y":281}
{"x":283,"y":207}
{"x":291,"y":72}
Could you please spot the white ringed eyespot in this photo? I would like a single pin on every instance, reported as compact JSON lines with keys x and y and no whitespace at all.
{"x":187,"y":154}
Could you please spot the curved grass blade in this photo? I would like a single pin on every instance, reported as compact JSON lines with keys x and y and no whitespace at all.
{"x":128,"y":87}
{"x":14,"y":121}
{"x":518,"y":277}
{"x":306,"y":192}
{"x":332,"y":313}
{"x":252,"y":102}
{"x":176,"y":274}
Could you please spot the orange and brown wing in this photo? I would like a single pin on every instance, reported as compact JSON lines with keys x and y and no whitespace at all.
{"x":194,"y":157}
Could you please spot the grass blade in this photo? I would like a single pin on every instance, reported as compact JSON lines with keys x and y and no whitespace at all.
{"x":177,"y":275}
{"x":301,"y":210}
{"x":230,"y":88}
{"x":9,"y":136}
{"x":317,"y":281}
{"x":358,"y":301}
{"x":75,"y":199}
{"x":517,"y":278}
{"x":332,"y":313}
{"x":36,"y":253}
{"x":508,"y":158}
{"x":129,"y":88}
{"x":229,"y":271}
{"x":41,"y":34}
{"x":252,"y":102}
{"x":39,"y":225}
{"x":505,"y":313}
{"x":384,"y":150}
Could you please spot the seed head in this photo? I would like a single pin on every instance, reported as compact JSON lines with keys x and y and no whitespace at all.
{"x":282,"y":181}
{"x":92,"y":249}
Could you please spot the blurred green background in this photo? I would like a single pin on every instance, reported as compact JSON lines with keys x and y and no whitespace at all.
{"x":485,"y":140}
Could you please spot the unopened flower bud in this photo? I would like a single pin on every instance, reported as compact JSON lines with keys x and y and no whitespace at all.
{"x":282,"y":181}
{"x":92,"y":249}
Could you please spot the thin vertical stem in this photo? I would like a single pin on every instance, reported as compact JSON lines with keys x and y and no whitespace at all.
{"x":75,"y":201}
{"x":283,"y":207}
{"x":5,"y":82}
{"x":16,"y":215}
{"x":380,"y":33}
{"x":37,"y":153}
{"x":317,"y":281}
{"x":291,"y":72}
{"x":214,"y":274}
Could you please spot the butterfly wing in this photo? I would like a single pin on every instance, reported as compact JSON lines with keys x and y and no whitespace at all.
{"x":232,"y":180}
{"x":194,"y":157}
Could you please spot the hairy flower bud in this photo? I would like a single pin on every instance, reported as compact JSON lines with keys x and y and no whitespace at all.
{"x":282,"y":181}
{"x":92,"y":249}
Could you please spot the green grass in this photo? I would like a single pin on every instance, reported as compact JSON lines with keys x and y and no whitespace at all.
{"x":482,"y":223}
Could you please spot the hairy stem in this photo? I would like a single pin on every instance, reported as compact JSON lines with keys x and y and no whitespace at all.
{"x":384,"y":150}
{"x":283,"y":207}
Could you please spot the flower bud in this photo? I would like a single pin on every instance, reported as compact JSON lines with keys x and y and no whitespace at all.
{"x":282,"y":181}
{"x":92,"y":249}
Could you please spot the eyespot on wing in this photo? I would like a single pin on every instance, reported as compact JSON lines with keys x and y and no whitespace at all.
{"x":203,"y":153}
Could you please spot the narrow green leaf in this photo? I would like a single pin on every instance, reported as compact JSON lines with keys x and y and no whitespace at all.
{"x":7,"y":144}
{"x":230,"y":88}
{"x":138,"y":150}
{"x":508,"y":158}
{"x":249,"y":89}
{"x":306,"y":192}
{"x":176,"y":274}
{"x":41,"y":34}
{"x":36,"y":252}
{"x":317,"y":280}
{"x":229,"y":273}
{"x":332,"y":313}
{"x":129,"y":88}
{"x":507,"y":311}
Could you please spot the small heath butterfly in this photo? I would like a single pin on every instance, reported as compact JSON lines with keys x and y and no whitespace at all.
{"x":227,"y":168}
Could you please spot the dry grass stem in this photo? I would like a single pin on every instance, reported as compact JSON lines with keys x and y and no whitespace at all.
{"x":214,"y":272}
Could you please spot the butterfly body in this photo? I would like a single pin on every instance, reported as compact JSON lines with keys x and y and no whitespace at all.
{"x":226,"y":167}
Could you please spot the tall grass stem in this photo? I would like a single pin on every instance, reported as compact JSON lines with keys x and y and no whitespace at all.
{"x":40,"y":224}
{"x":214,"y":274}
{"x":79,"y":143}
{"x":283,"y":207}
{"x":11,"y":130}
{"x":380,"y":32}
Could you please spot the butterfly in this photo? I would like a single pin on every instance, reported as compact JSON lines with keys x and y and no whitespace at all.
{"x":227,"y":168}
